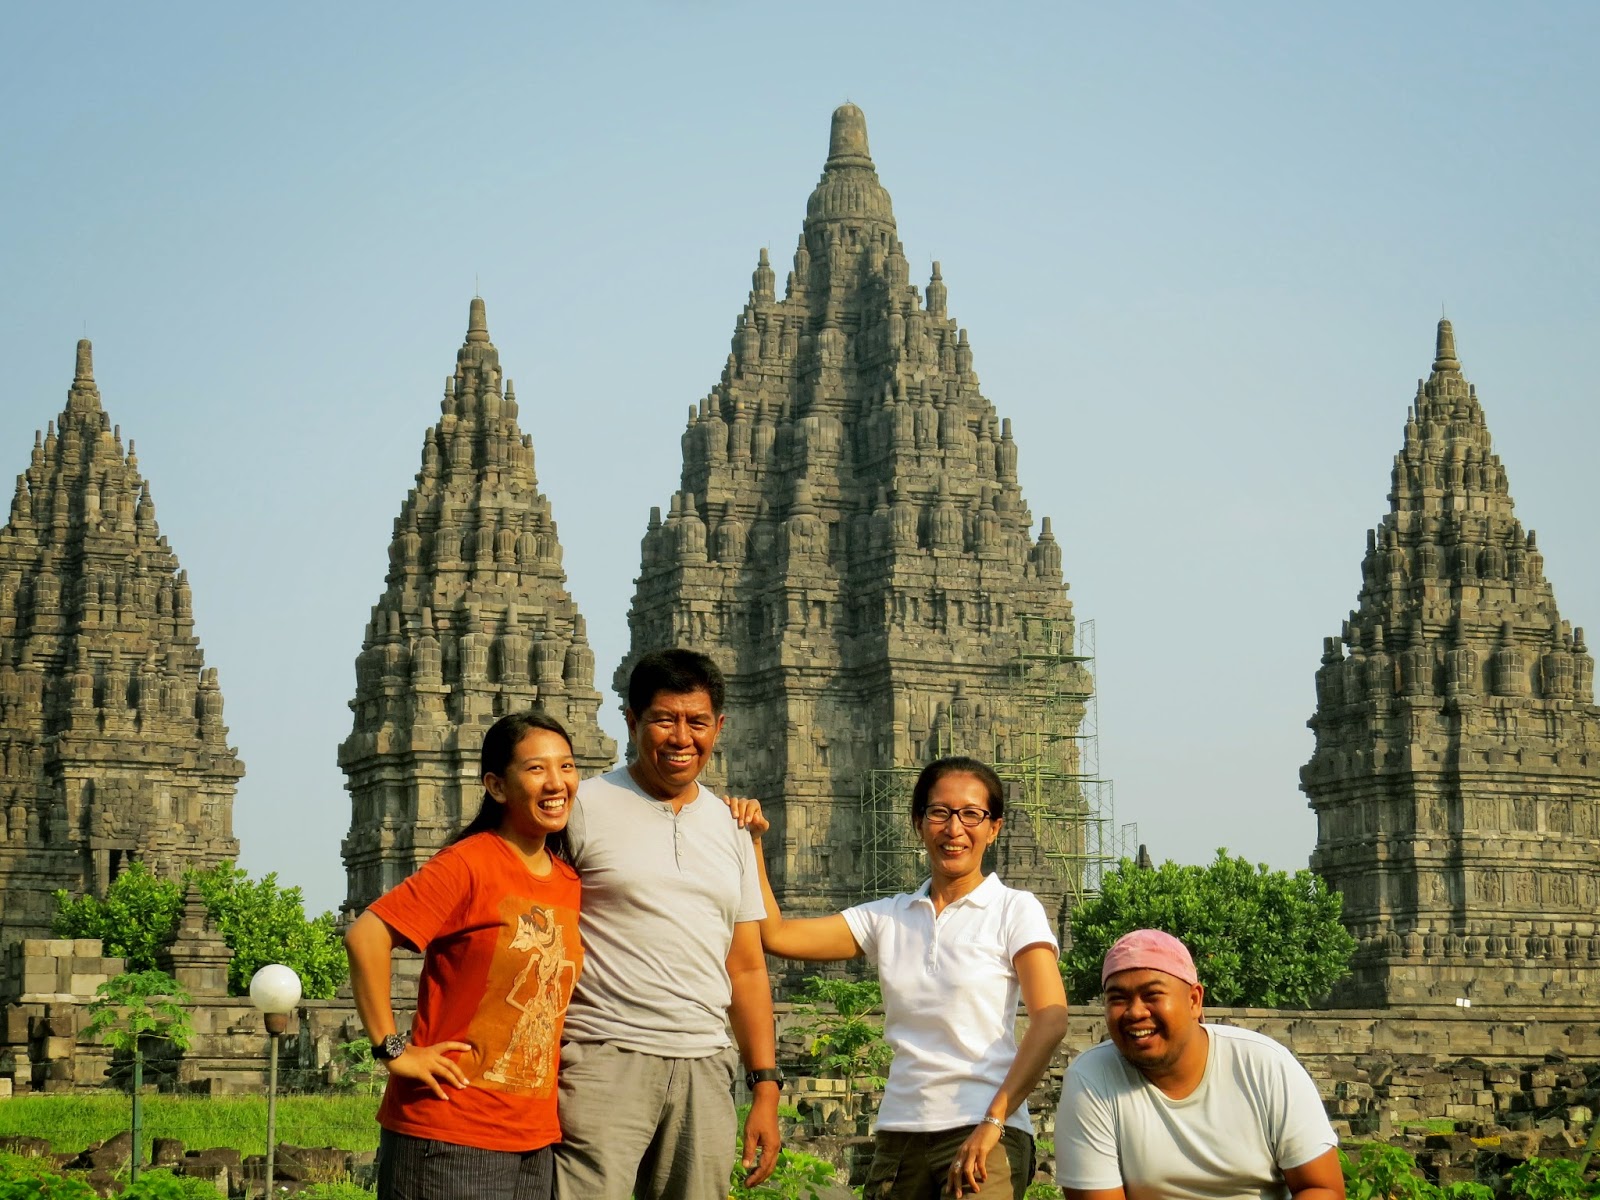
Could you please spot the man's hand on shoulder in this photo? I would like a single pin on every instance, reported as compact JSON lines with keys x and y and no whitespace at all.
{"x":747,"y":814}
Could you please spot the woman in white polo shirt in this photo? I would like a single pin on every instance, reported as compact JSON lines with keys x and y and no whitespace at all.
{"x":953,"y":958}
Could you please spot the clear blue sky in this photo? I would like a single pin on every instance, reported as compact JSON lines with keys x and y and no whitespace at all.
{"x":1200,"y":250}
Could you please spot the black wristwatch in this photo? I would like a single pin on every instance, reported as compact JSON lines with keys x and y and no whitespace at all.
{"x":764,"y":1075}
{"x":390,"y":1047}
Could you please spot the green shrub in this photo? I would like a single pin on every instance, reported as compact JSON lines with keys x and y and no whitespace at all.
{"x":845,"y":1037}
{"x":1384,"y":1173}
{"x":1549,"y":1179}
{"x":261,"y":922}
{"x":1259,"y":937}
{"x":35,"y":1179}
{"x":135,"y":920}
{"x":799,"y":1176}
{"x":164,"y":1185}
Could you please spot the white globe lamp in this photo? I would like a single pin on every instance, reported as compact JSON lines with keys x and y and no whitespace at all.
{"x":274,"y":990}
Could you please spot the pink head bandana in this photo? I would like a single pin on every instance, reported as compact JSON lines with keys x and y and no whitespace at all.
{"x":1149,"y":950}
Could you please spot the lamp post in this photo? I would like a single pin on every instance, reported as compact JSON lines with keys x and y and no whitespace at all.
{"x":274,"y":990}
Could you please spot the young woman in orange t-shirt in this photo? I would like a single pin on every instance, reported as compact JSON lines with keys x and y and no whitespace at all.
{"x":470,"y":1108}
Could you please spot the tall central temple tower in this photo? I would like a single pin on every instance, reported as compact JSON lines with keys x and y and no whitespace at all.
{"x":112,"y":747}
{"x":849,"y":542}
{"x":474,"y":622}
{"x":1456,"y":777}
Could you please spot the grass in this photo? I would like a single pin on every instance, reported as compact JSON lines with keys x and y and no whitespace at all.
{"x":72,"y":1122}
{"x":1431,"y":1125}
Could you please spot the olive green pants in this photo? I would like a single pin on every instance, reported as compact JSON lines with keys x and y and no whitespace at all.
{"x":916,"y":1166}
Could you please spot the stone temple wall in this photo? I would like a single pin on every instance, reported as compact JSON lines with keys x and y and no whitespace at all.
{"x":1456,"y":775}
{"x":850,"y":542}
{"x":112,"y":746}
{"x":474,"y":622}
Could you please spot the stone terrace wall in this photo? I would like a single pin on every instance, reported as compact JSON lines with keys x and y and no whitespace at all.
{"x":1376,"y":1070}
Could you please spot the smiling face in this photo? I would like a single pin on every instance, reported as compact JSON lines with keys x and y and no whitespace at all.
{"x":956,"y":850}
{"x":536,"y":790}
{"x":1154,"y":1020}
{"x":672,"y":741}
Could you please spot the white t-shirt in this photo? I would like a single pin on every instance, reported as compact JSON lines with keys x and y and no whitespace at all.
{"x":662,"y":892}
{"x":950,"y":993}
{"x":1255,"y":1113}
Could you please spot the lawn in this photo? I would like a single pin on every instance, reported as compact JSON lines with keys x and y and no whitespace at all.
{"x":77,"y":1120}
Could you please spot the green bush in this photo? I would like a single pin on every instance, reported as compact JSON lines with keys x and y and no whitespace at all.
{"x":35,"y":1179}
{"x":135,"y":920}
{"x":845,"y":1037}
{"x":358,"y":1070}
{"x":799,"y":1176}
{"x":1390,"y":1173}
{"x":265,"y":924}
{"x":1550,"y":1179}
{"x":1259,"y":937}
{"x":261,"y":922}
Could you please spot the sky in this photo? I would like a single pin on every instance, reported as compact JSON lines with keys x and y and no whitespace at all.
{"x":1200,"y":250}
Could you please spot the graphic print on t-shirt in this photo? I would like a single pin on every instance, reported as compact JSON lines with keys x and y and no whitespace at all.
{"x":529,"y":983}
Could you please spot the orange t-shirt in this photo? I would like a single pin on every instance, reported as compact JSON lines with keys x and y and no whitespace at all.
{"x":502,"y":954}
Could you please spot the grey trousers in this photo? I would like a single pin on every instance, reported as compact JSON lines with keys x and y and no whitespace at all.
{"x":639,"y":1125}
{"x":413,"y":1168}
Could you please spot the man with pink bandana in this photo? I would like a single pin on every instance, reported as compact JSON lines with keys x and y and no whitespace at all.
{"x":1172,"y":1107}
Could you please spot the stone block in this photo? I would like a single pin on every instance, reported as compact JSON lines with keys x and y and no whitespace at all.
{"x":85,"y":985}
{"x":24,"y":1146}
{"x":86,"y":948}
{"x":166,"y":1152}
{"x":57,"y":1048}
{"x":15,"y":1026}
{"x":226,"y":1155}
{"x":58,"y":947}
{"x":38,"y":975}
{"x":109,"y":1155}
{"x":311,"y":1164}
{"x":215,"y":1173}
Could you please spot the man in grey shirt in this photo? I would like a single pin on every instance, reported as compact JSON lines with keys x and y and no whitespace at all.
{"x":672,"y":956}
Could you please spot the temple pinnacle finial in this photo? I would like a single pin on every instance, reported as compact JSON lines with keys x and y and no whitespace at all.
{"x":1444,"y":358}
{"x":848,"y":140}
{"x":85,"y":369}
{"x":477,"y":322}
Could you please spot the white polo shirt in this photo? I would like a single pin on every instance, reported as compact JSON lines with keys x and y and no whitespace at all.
{"x":950,"y":994}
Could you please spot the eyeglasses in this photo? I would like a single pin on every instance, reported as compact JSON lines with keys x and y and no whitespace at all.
{"x":969,"y":817}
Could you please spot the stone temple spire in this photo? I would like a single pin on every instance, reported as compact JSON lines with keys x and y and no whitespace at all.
{"x":112,"y":747}
{"x":474,"y":622}
{"x":1456,"y":777}
{"x":849,"y":541}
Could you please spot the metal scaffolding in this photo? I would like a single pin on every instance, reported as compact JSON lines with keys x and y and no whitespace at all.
{"x":1045,"y":751}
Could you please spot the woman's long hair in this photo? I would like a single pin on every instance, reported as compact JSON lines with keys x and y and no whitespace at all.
{"x":499,"y":745}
